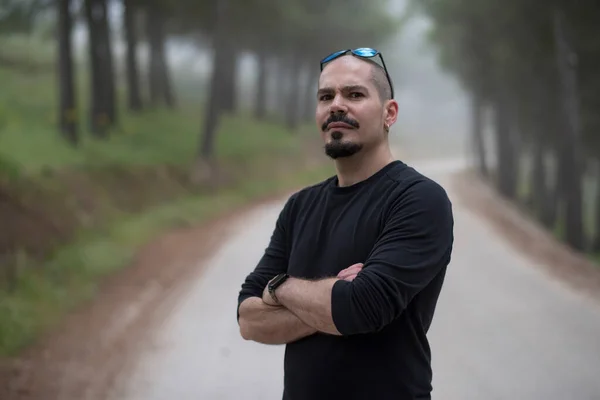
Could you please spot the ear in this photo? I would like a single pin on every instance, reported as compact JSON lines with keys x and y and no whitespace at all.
{"x":390,"y":113}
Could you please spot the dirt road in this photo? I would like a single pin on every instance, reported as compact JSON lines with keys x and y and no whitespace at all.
{"x":504,"y":328}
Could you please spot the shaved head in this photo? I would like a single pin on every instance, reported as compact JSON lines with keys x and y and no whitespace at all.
{"x":379,"y":79}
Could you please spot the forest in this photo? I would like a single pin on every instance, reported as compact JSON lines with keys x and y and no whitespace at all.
{"x":530,"y":69}
{"x":121,"y":119}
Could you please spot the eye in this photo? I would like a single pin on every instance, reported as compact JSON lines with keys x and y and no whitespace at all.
{"x":356,"y":95}
{"x":325,"y":97}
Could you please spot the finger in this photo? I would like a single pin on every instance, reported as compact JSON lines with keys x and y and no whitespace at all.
{"x":349,"y":272}
{"x":352,"y":270}
{"x":353,"y":267}
{"x":350,"y":278}
{"x":346,"y":273}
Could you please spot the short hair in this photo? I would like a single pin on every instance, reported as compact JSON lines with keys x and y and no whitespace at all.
{"x":380,"y":80}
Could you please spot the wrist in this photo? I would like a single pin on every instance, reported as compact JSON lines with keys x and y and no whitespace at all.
{"x":283,"y":290}
{"x":274,"y":285}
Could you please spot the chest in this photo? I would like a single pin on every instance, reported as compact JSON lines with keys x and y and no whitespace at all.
{"x":337,"y":233}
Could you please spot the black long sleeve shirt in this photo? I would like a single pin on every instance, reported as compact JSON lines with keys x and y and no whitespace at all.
{"x":400,"y":225}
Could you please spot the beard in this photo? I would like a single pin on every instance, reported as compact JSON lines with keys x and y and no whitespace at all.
{"x":337,"y":148}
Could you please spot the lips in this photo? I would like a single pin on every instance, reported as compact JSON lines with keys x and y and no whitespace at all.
{"x":339,"y":125}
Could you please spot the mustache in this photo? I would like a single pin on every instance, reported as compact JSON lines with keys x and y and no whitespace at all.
{"x":340,"y":118}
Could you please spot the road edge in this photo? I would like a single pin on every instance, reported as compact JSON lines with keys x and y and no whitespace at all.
{"x":526,"y":235}
{"x":128,"y":308}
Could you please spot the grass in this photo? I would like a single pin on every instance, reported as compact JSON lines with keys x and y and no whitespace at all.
{"x":30,"y":148}
{"x":30,"y":142}
{"x":46,"y":291}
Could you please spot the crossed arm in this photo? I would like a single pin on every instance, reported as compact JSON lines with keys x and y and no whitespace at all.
{"x":269,"y":324}
{"x":263,"y":321}
{"x":414,"y":247}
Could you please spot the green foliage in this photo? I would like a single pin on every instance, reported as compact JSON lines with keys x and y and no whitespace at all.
{"x":17,"y":16}
{"x":489,"y":44}
{"x":536,"y":64}
{"x":46,"y":291}
{"x":310,"y":27}
{"x":29,"y":141}
{"x":29,"y":144}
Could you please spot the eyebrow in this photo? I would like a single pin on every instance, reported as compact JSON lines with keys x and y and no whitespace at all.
{"x":349,"y":88}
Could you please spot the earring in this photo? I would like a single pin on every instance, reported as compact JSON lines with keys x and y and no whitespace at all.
{"x":386,"y":127}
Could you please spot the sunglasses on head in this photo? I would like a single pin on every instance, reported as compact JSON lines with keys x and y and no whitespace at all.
{"x":363,"y":52}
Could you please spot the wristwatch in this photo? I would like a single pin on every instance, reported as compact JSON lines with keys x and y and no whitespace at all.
{"x":275,"y":283}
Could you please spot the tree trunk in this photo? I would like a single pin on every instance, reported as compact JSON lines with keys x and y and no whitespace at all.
{"x":108,"y":66}
{"x":506,"y":172}
{"x":310,"y":93}
{"x":229,"y":88}
{"x":537,"y":180}
{"x":477,"y":132}
{"x":538,"y":126}
{"x":543,"y":194}
{"x":133,"y":79}
{"x":571,"y":187}
{"x":260,"y":111}
{"x":596,"y":242}
{"x":161,"y":90}
{"x":68,"y":109}
{"x":206,"y":165}
{"x":165,"y":79}
{"x":292,"y":115}
{"x":551,"y":200}
{"x":100,"y":119}
{"x":282,"y":85}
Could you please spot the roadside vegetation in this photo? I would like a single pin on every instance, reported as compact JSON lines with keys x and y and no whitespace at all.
{"x":531,"y":71}
{"x":102,"y":150}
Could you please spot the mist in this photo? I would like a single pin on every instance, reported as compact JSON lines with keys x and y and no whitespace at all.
{"x":433,"y":108}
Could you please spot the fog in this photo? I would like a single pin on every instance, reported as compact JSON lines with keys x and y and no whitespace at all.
{"x":433,"y":114}
{"x":433,"y":118}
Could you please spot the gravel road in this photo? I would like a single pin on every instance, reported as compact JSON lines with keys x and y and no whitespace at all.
{"x":504,"y":330}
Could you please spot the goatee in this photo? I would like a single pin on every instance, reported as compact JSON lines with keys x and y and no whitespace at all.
{"x":339,"y":149}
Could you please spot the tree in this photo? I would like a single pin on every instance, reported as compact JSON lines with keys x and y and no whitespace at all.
{"x":516,"y":58}
{"x":103,"y":96}
{"x":18,"y":16}
{"x":67,"y":104}
{"x":131,"y":14}
{"x":157,"y":17}
{"x":293,"y":36}
{"x":206,"y":168}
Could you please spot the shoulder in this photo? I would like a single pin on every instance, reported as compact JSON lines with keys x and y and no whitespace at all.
{"x":410,"y":181}
{"x":311,"y":190}
{"x":414,"y":192}
{"x":306,"y":195}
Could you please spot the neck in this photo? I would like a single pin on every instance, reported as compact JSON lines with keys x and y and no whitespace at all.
{"x":361,"y":166}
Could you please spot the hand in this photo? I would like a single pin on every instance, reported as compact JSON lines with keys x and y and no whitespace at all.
{"x":267,"y":298}
{"x":350,"y":273}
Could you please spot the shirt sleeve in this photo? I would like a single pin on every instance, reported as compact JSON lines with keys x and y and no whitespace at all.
{"x":274,"y":260}
{"x":414,"y":246}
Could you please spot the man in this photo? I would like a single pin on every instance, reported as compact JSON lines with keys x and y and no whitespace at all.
{"x":352,"y":273}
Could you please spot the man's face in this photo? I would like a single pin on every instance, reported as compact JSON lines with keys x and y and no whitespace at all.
{"x":349,"y":111}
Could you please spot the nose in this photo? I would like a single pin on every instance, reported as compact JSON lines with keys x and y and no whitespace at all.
{"x":338,"y":105}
